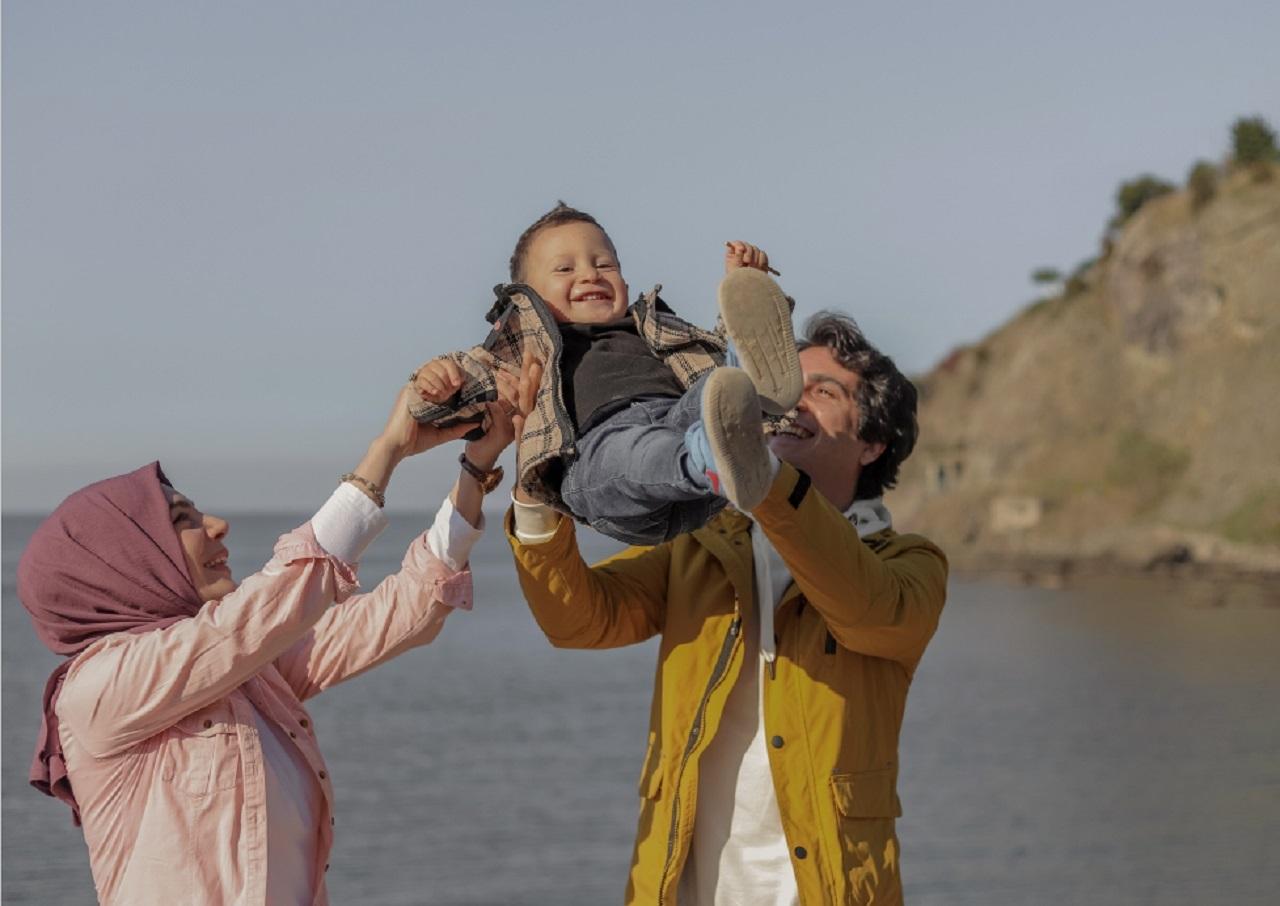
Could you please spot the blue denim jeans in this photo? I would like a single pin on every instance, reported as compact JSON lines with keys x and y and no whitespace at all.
{"x":633,"y":480}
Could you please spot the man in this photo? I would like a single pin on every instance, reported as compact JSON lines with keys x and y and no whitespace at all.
{"x":772,"y":761}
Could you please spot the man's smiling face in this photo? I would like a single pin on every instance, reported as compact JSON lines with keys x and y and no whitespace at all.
{"x":823,"y":439}
{"x":575,"y":270}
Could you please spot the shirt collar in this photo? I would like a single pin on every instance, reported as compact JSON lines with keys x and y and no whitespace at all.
{"x":869,"y":516}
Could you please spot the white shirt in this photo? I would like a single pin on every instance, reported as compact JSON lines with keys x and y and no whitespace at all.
{"x":739,"y":855}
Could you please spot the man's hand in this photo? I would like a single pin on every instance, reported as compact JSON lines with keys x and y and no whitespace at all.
{"x":743,"y":254}
{"x":437,"y":380}
{"x":526,"y":388}
{"x":526,"y":397}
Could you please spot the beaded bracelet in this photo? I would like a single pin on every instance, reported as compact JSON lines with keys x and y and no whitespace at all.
{"x":367,"y":486}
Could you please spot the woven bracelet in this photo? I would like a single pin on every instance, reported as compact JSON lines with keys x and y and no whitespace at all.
{"x":367,"y":486}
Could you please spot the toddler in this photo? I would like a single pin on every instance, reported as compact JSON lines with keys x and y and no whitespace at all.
{"x":643,"y":425}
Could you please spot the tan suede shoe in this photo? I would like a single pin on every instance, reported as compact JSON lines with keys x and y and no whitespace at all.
{"x":757,"y":319}
{"x":735,"y":432}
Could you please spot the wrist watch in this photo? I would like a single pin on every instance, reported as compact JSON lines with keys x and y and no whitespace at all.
{"x":487,"y":480}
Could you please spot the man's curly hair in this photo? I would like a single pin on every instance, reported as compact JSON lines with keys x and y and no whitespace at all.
{"x":886,"y":399}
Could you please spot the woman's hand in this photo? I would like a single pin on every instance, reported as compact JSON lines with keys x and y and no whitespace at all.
{"x":504,"y":419}
{"x":504,"y":422}
{"x":404,"y":437}
{"x":401,"y":438}
{"x":499,"y":428}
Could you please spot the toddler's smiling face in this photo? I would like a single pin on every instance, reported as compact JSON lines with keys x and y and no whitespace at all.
{"x":575,"y":269}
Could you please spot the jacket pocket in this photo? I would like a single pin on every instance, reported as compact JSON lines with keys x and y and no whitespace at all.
{"x":866,"y":803}
{"x":651,"y":773}
{"x":866,"y":794}
{"x":201,"y":751}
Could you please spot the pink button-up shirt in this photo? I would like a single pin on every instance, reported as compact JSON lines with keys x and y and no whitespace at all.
{"x":161,"y":741}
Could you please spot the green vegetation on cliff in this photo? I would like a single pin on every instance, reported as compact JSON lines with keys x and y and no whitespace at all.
{"x":1134,"y":410}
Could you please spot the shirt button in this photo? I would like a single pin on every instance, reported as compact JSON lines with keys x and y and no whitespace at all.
{"x":326,"y":866}
{"x":777,"y":742}
{"x":305,"y":722}
{"x":293,"y":735}
{"x":208,"y":724}
{"x":801,"y":852}
{"x":323,"y":775}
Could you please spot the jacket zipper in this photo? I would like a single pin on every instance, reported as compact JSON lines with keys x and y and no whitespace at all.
{"x":695,"y":733}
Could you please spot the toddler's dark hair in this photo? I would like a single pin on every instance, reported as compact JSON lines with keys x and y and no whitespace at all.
{"x":557,"y":216}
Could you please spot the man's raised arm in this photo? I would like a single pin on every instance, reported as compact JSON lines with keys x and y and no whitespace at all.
{"x":618,"y":602}
{"x":883,"y":606}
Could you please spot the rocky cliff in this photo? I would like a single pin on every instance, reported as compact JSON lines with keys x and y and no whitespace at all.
{"x":1132,"y":418}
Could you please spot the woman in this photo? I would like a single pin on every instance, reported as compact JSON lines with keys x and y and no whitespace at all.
{"x":175,"y":730}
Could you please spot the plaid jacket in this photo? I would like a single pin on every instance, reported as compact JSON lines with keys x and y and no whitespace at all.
{"x":523,"y":324}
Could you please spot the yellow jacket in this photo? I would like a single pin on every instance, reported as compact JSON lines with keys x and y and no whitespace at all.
{"x":851,"y":629}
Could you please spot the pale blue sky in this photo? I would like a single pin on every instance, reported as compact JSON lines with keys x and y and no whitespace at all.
{"x":230,"y":229}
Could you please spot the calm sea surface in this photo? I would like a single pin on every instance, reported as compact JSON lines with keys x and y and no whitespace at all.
{"x":1116,"y":748}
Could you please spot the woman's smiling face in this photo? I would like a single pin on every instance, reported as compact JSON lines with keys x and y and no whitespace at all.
{"x":575,"y":269}
{"x":201,"y":539}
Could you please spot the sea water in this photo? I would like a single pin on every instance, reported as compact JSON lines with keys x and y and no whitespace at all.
{"x":1118,"y":747}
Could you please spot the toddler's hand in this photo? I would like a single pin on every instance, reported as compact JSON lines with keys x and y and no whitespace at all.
{"x":437,"y":380}
{"x":744,"y":254}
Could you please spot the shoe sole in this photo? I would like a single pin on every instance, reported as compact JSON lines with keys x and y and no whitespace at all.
{"x":757,"y":319}
{"x":735,"y":433}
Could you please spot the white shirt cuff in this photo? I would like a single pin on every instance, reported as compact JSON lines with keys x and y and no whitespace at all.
{"x":534,"y":522}
{"x":451,"y":537}
{"x":347,"y":523}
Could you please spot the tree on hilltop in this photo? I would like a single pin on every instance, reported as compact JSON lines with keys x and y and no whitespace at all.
{"x":1133,"y":194}
{"x":1253,"y":141}
{"x":1202,"y":183}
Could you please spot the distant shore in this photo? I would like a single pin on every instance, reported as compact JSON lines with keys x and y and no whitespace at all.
{"x":1198,"y":583}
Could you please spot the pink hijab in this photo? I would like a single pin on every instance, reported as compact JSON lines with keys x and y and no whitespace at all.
{"x":107,"y":560}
